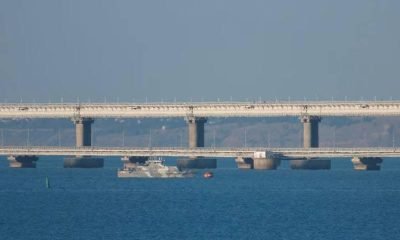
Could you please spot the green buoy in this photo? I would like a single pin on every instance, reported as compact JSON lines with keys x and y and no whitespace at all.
{"x":47,"y":182}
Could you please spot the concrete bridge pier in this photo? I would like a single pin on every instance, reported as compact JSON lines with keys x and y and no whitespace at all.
{"x":196,"y":163}
{"x":83,"y":131}
{"x":196,"y":131}
{"x":311,"y":164}
{"x":196,"y":139}
{"x":310,"y":140}
{"x":259,"y":163}
{"x":22,"y":161}
{"x":310,"y":131}
{"x":366,"y":163}
{"x":244,"y":163}
{"x":266,"y":163}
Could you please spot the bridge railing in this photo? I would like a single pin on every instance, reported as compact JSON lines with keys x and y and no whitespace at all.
{"x":211,"y":149}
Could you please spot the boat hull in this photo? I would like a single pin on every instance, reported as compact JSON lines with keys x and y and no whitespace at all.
{"x":136,"y":174}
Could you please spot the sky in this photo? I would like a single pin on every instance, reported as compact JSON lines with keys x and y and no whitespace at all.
{"x":205,"y":50}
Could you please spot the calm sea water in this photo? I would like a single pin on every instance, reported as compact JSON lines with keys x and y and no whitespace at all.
{"x":235,"y":204}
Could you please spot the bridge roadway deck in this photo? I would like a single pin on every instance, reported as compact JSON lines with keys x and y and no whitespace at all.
{"x":205,"y":109}
{"x":281,"y":153}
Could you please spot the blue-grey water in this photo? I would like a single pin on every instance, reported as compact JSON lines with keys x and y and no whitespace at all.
{"x":235,"y":204}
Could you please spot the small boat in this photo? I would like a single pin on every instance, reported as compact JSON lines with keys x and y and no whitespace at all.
{"x":208,"y":174}
{"x":152,"y":168}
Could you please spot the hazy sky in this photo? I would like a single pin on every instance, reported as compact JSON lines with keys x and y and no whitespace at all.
{"x":128,"y":49}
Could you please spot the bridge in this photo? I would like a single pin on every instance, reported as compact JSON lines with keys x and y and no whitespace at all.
{"x":278,"y":153}
{"x":254,"y":156}
{"x":204,"y":109}
{"x":310,"y":114}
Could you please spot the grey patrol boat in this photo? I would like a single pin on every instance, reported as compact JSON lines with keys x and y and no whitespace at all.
{"x":152,"y":168}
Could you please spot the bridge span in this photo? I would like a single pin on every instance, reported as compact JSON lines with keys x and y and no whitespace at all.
{"x":205,"y":109}
{"x":277,"y":153}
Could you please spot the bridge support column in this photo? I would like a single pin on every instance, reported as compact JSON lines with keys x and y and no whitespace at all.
{"x":22,"y":161}
{"x":257,"y":163}
{"x":244,"y":163}
{"x":83,"y":131}
{"x":311,"y":164}
{"x":196,"y":139}
{"x":366,"y":163}
{"x":196,"y":131}
{"x":196,"y":163}
{"x":266,"y":163}
{"x":310,"y":131}
{"x":83,"y":162}
{"x":310,"y":140}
